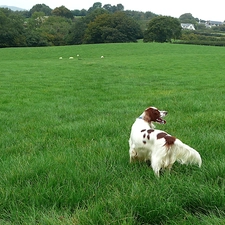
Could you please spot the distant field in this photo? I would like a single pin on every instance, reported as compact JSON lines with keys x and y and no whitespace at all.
{"x":65,"y":124}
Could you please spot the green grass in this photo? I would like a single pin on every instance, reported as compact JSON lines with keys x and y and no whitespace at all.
{"x":65,"y":126}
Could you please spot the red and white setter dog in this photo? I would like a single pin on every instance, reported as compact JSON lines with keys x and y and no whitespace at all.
{"x":162,"y":149}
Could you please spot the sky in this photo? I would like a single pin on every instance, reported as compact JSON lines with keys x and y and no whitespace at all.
{"x":205,"y":10}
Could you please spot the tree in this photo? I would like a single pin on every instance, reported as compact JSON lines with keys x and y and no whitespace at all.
{"x":34,"y":35}
{"x":12,"y":31}
{"x":94,"y":14}
{"x":120,"y":7}
{"x":63,"y":12}
{"x":109,"y":28}
{"x":110,"y":8}
{"x":77,"y":31}
{"x":36,"y":20}
{"x":188,"y":18}
{"x":96,"y":5}
{"x":41,"y":8}
{"x":55,"y":29}
{"x":162,"y":29}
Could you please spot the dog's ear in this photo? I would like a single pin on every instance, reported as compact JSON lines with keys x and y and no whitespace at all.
{"x":147,"y":117}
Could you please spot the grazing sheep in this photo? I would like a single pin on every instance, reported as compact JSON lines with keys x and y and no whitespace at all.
{"x":102,"y":57}
{"x":60,"y":57}
{"x":71,"y":57}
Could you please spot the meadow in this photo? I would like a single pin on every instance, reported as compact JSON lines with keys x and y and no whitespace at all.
{"x":65,"y":124}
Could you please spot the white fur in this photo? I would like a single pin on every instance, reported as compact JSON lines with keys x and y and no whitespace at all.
{"x":146,"y":145}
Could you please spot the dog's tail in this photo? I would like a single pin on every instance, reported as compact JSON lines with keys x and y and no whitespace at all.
{"x":184,"y":154}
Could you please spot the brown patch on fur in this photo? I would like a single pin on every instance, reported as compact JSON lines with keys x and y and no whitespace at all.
{"x":144,"y":142}
{"x":148,"y":136}
{"x":161,"y":135}
{"x":143,"y":130}
{"x":147,"y":118}
{"x":150,"y":131}
{"x":144,"y":135}
{"x":169,"y":140}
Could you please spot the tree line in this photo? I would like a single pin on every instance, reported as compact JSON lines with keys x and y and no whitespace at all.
{"x":43,"y":26}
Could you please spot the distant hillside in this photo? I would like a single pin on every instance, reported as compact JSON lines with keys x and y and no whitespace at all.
{"x":13,"y":8}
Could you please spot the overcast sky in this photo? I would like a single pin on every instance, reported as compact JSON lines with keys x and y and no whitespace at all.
{"x":206,"y":10}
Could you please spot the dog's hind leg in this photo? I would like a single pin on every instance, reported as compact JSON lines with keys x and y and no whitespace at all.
{"x":156,"y":167}
{"x":156,"y":163}
{"x":133,"y":155}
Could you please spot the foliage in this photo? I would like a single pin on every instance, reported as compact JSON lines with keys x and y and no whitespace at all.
{"x":28,"y":28}
{"x":77,"y":31}
{"x":112,"y":9}
{"x":35,"y":38}
{"x":96,"y":5}
{"x":65,"y":126}
{"x":140,"y":15}
{"x":202,"y":38}
{"x":62,"y":11}
{"x":112,"y":28}
{"x":41,"y":8}
{"x":78,"y":12}
{"x":162,"y":29}
{"x":188,"y":18}
{"x":56,"y":30}
{"x":141,"y":18}
{"x":90,"y":17}
{"x":12,"y":31}
{"x":220,"y":28}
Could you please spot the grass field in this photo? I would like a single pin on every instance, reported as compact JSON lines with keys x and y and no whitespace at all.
{"x":65,"y":124}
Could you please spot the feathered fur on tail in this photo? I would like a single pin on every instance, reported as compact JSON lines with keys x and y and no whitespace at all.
{"x":166,"y":156}
{"x":184,"y":154}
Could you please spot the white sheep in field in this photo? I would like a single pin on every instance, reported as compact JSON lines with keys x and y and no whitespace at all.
{"x":60,"y":57}
{"x":102,"y":57}
{"x":70,"y":57}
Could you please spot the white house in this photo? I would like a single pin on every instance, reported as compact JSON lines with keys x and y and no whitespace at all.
{"x":187,"y":26}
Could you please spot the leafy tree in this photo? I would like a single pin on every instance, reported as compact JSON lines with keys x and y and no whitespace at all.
{"x":36,"y":20}
{"x":120,"y":7}
{"x":141,"y":18}
{"x":188,"y":18}
{"x":35,"y":38}
{"x":77,"y":31}
{"x":77,"y":12}
{"x":83,"y":12}
{"x":34,"y":34}
{"x":96,"y":5}
{"x":94,"y":14}
{"x":149,"y":15}
{"x":107,"y":7}
{"x":110,"y":8}
{"x":12,"y":31}
{"x":56,"y":29}
{"x":62,"y":11}
{"x":115,"y":27}
{"x":162,"y":29}
{"x":41,"y":8}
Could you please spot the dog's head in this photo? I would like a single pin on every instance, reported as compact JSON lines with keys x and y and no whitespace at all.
{"x":152,"y":114}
